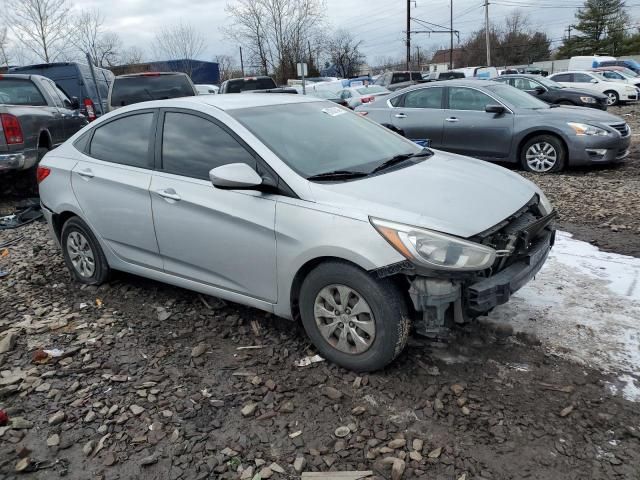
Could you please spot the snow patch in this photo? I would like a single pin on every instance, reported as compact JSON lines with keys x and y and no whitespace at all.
{"x":584,"y":305}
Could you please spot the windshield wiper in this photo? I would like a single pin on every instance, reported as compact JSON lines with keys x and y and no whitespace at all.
{"x":401,"y":158}
{"x":338,"y":175}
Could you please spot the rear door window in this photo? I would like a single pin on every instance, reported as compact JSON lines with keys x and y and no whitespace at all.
{"x":128,"y":90}
{"x":51,"y":89}
{"x":424,"y":98}
{"x":581,"y":78}
{"x":468,"y":99}
{"x":562,"y":77}
{"x":124,"y":140}
{"x":192,"y":145}
{"x":14,"y":91}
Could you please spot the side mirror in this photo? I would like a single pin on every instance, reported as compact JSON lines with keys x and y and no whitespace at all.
{"x":594,"y":80}
{"x":75,"y":103}
{"x":497,"y":109}
{"x":540,"y":90}
{"x":235,"y":176}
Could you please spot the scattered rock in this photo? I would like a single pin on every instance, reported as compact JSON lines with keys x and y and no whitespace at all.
{"x":435,"y":453}
{"x":88,"y":447}
{"x":417,"y":444}
{"x":358,"y":411}
{"x":397,"y":443}
{"x":465,"y":410}
{"x":53,"y":440}
{"x":23,"y":464}
{"x":19,"y":423}
{"x":198,"y":350}
{"x":266,"y":472}
{"x":566,"y":411}
{"x":342,"y":432}
{"x":415,"y":455}
{"x":57,"y":418}
{"x":457,"y":389}
{"x":397,"y":469}
{"x":109,"y":459}
{"x":332,"y":393}
{"x":148,"y":460}
{"x":299,"y":463}
{"x":249,"y":409}
{"x":276,"y":468}
{"x":8,"y":342}
{"x":136,"y":409}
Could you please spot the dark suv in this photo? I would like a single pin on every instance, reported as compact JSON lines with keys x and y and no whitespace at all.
{"x":141,"y":87}
{"x":397,"y":80}
{"x":553,"y":92}
{"x":247,"y":84}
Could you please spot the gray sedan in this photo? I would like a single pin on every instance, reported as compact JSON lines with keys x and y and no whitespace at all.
{"x":299,"y":207}
{"x":497,"y":122}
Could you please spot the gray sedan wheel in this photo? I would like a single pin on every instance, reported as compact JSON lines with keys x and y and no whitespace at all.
{"x":542,"y":154}
{"x":82,"y":256}
{"x":612,"y":98}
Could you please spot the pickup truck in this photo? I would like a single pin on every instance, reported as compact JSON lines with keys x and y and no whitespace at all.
{"x":35,"y":116}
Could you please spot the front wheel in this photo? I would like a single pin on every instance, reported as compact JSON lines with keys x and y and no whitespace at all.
{"x":612,"y":98}
{"x":542,"y":154}
{"x":356,"y":321}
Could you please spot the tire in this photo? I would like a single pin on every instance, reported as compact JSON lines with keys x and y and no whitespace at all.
{"x":384,"y":329}
{"x":612,"y":98}
{"x":79,"y":246}
{"x":543,"y":154}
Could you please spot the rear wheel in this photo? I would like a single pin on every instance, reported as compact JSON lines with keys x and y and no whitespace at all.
{"x":612,"y":97}
{"x":356,"y":321}
{"x":82,"y":253}
{"x":542,"y":154}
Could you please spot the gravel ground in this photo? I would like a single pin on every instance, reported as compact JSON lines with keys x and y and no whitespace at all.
{"x":147,"y":381}
{"x":601,"y":205}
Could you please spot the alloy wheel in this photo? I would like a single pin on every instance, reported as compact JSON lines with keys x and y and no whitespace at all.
{"x":541,"y":157}
{"x":344,"y":319}
{"x":81,"y":254}
{"x":612,"y":98}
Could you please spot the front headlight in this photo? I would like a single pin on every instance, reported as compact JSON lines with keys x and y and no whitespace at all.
{"x":583,"y":129}
{"x":434,"y":250}
{"x":545,"y":204}
{"x":588,"y":100}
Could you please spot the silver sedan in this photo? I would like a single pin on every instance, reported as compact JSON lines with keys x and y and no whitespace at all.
{"x":356,"y":96}
{"x":298,"y":207}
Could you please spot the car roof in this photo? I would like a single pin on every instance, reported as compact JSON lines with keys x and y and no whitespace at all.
{"x":22,"y":76}
{"x":456,"y":82}
{"x":149,"y":74}
{"x":525,"y":75}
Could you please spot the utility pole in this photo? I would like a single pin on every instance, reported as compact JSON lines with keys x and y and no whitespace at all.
{"x":408,"y":34}
{"x":309,"y":61}
{"x":241,"y":62}
{"x":451,"y":44}
{"x":486,"y":31}
{"x":569,"y":28}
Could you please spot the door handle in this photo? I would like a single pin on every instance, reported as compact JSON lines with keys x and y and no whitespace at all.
{"x":452,"y":119}
{"x":169,"y":193}
{"x":400,"y":115}
{"x":86,"y":173}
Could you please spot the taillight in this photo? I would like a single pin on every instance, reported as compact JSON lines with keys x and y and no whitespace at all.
{"x":42,"y":173}
{"x":91,"y":111}
{"x":367,"y":99}
{"x":12,"y":129}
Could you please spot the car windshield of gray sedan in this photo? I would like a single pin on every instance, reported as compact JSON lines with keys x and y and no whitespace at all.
{"x":316,"y":138}
{"x":516,"y":98}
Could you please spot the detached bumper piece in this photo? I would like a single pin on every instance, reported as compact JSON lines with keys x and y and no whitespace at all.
{"x":497,"y":289}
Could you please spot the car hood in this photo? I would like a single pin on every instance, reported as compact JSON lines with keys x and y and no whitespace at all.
{"x":580,"y":114}
{"x":448,"y":193}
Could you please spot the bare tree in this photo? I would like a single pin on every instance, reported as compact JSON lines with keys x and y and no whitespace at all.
{"x":179,"y":42}
{"x":91,"y":37}
{"x":131,"y":56}
{"x":275,"y":32}
{"x":225,"y":66}
{"x":4,"y":47}
{"x":344,"y":53}
{"x":43,"y":27}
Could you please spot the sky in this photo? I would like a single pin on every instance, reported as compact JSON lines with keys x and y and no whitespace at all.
{"x":380,"y":24}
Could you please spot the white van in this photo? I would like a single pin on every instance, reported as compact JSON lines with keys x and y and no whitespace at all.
{"x":587,"y":62}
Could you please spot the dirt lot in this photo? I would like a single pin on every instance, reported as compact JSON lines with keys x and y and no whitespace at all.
{"x":153,"y":382}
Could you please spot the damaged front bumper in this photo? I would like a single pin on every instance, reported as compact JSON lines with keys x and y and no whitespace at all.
{"x":458,"y":298}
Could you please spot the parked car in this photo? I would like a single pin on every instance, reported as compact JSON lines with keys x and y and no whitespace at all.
{"x":396,"y":80}
{"x":141,"y":87}
{"x":587,"y":62}
{"x":75,"y":80}
{"x":356,"y":96}
{"x":448,"y":75}
{"x":327,"y":95}
{"x":497,"y":122}
{"x":238,"y":85}
{"x":616,"y":92}
{"x":36,"y":116}
{"x":371,"y":233}
{"x":204,"y":89}
{"x":618,"y":75}
{"x":630,"y":64}
{"x":555,"y":93}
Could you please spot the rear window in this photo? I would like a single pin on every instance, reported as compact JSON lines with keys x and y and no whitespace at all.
{"x":242,"y":85}
{"x":450,"y":75}
{"x":20,"y":92}
{"x":402,"y":77}
{"x":128,"y":90}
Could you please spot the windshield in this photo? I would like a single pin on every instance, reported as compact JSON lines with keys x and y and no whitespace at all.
{"x":371,"y":89}
{"x":628,"y":73}
{"x":128,"y":90}
{"x":324,"y":94}
{"x":549,"y":83}
{"x":319,"y":137}
{"x":516,"y":98}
